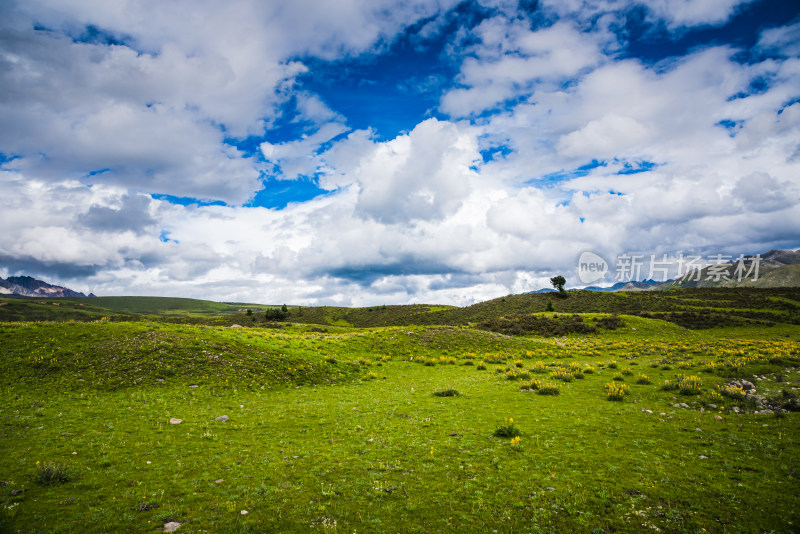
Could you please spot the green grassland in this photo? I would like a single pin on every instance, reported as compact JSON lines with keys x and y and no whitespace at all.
{"x":338,"y":428}
{"x":125,"y":308}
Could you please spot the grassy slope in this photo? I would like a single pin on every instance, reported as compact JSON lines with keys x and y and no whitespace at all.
{"x":64,"y":309}
{"x":164,"y":306}
{"x":27,"y":309}
{"x":377,"y":451}
{"x":772,"y":305}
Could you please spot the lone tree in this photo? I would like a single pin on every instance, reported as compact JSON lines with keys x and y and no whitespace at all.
{"x":558,"y":283}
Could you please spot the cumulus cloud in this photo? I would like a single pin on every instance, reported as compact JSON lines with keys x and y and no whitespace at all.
{"x":423,"y":175}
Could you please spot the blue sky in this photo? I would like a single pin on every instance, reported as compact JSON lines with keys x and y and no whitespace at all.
{"x":362,"y":152}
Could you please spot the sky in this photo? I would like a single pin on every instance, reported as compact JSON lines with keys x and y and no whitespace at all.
{"x":367,"y":152}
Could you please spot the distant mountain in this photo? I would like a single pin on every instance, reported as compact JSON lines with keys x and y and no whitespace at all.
{"x":644,"y":285}
{"x":777,"y":268}
{"x":26,"y":286}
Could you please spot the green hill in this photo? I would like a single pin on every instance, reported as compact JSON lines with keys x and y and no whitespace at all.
{"x":93,"y":308}
{"x":690,"y":307}
{"x":694,"y":308}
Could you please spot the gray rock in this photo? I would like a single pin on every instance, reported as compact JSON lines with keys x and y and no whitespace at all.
{"x":172,"y":526}
{"x":222,"y":418}
{"x":747,"y":386}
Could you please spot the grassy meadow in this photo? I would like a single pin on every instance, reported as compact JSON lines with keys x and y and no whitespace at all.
{"x":631,"y":425}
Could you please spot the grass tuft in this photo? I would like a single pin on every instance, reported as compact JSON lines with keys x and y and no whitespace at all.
{"x":548,"y":389}
{"x":617,"y":392}
{"x":52,"y":474}
{"x":508,"y":430}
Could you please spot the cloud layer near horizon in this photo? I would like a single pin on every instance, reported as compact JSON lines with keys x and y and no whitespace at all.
{"x":137,"y":137}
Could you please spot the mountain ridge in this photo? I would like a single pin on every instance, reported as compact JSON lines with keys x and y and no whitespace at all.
{"x":27,"y":286}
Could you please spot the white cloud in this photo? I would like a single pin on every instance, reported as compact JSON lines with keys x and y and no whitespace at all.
{"x":602,"y":138}
{"x":423,"y":175}
{"x":675,"y":14}
{"x":680,"y":13}
{"x":512,"y":60}
{"x":301,"y":157}
{"x":783,"y":39}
